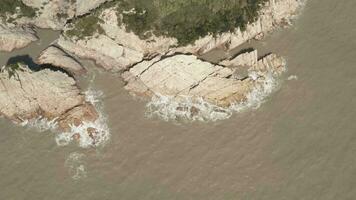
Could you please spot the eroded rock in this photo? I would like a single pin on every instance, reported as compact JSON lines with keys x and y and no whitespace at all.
{"x":182,"y":76}
{"x":51,"y":14}
{"x":124,"y":48}
{"x":26,"y":95}
{"x":57,"y":57}
{"x":15,"y":37}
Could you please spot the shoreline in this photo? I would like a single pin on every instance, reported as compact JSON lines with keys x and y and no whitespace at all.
{"x":113,"y":55}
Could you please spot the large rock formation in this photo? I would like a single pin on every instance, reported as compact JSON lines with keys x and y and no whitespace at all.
{"x":104,"y":51}
{"x":182,"y":76}
{"x":49,"y":13}
{"x":52,"y":95}
{"x":15,"y":37}
{"x":59,"y":58}
{"x":124,"y":48}
{"x":85,"y":6}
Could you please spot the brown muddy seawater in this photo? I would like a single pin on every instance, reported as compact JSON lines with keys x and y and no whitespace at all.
{"x":300,"y":144}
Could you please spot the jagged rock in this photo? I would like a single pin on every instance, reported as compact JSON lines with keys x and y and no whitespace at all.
{"x":182,"y":76}
{"x":274,"y":14}
{"x":104,"y":51}
{"x":59,"y":58}
{"x":85,"y":6}
{"x":15,"y":37}
{"x":244,"y":59}
{"x":27,"y":95}
{"x":77,"y":115}
{"x":117,"y":39}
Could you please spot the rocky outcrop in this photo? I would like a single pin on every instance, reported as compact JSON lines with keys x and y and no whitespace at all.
{"x":57,"y":57}
{"x":104,"y":51}
{"x":275,"y":14}
{"x":126,"y":48}
{"x":52,"y":95}
{"x":182,"y":76}
{"x":15,"y":37}
{"x":85,"y":6}
{"x":51,"y":14}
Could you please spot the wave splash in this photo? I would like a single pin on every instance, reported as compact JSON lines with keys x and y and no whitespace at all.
{"x":197,"y":109}
{"x":90,"y":133}
{"x":84,"y":132}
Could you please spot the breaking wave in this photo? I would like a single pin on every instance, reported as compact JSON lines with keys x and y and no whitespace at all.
{"x":41,"y":124}
{"x":197,"y":109}
{"x":102,"y":132}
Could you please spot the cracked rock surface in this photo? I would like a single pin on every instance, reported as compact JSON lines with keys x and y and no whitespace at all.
{"x":12,"y":38}
{"x":57,"y":57}
{"x":48,"y":94}
{"x":186,"y":76}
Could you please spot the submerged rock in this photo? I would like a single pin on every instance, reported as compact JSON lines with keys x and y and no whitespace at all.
{"x":57,"y":57}
{"x":26,"y":95}
{"x":182,"y":76}
{"x":15,"y":37}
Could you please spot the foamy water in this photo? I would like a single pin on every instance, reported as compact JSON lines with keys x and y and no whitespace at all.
{"x":76,"y":165}
{"x":102,"y":134}
{"x":85,"y":140}
{"x":197,"y":109}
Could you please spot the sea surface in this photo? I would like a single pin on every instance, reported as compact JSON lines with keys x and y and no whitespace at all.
{"x":300,"y":143}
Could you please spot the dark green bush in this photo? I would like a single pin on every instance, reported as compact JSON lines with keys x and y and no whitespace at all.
{"x":9,"y":6}
{"x":186,"y":20}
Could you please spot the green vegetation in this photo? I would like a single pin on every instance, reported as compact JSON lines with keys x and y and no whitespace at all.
{"x":12,"y":70}
{"x":186,"y":20}
{"x":85,"y":26}
{"x":10,"y":7}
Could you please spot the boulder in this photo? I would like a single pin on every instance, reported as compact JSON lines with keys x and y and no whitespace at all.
{"x":15,"y":37}
{"x":55,"y":56}
{"x":27,"y":95}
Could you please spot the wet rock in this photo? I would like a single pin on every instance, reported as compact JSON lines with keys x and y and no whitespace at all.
{"x":182,"y":76}
{"x":57,"y":57}
{"x":27,"y":95}
{"x":15,"y":37}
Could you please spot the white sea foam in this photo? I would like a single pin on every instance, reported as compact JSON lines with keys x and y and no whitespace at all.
{"x":196,"y":109}
{"x":102,"y":132}
{"x":292,"y":77}
{"x":76,"y":165}
{"x":41,"y":124}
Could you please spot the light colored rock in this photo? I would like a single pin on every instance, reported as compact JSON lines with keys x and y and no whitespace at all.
{"x":15,"y":37}
{"x":59,"y":58}
{"x":119,"y":49}
{"x":104,"y":51}
{"x":51,"y":14}
{"x":244,"y":59}
{"x":183,"y":76}
{"x":47,"y":94}
{"x":85,"y":6}
{"x":275,"y":14}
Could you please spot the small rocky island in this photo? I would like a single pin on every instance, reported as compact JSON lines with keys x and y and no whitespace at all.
{"x":156,"y":46}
